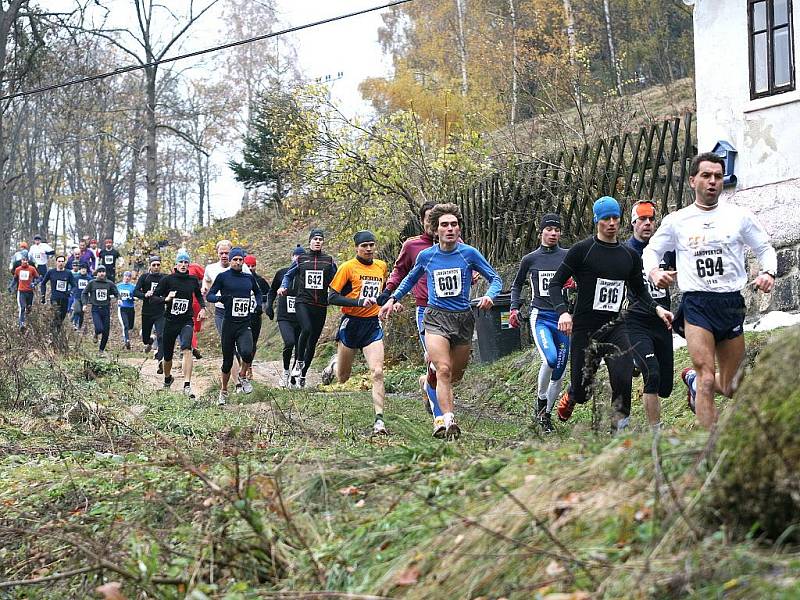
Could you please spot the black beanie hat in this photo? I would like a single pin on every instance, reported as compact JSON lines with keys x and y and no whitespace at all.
{"x":316,"y":232}
{"x":549,"y":220}
{"x":363,"y":236}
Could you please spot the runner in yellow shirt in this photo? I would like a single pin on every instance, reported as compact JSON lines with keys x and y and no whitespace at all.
{"x":355,"y":288}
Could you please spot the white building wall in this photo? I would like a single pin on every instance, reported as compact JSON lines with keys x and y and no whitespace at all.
{"x":766,"y":132}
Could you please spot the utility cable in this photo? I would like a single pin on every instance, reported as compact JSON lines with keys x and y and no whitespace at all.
{"x":154,"y":63}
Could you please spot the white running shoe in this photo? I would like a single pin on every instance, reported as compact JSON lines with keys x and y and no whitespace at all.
{"x":297,"y":371}
{"x":187,"y":391}
{"x":439,"y":429}
{"x":379,"y":428}
{"x":285,"y":380}
{"x":453,"y":432}
{"x":247,"y":387}
{"x":238,"y":387}
{"x":223,"y":398}
{"x":329,"y":372}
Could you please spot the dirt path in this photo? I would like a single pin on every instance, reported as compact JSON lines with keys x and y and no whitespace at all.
{"x":206,"y":373}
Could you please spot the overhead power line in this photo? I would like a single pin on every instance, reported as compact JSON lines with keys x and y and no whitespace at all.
{"x":258,"y":38}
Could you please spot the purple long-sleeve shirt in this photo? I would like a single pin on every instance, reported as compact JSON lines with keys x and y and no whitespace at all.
{"x":405,"y":262}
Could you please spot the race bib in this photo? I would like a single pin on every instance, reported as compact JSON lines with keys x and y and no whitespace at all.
{"x":544,"y":281}
{"x":153,"y":286}
{"x":61,"y":285}
{"x":24,"y":275}
{"x":101,"y":294}
{"x":252,"y":302}
{"x":447,"y":282}
{"x":313,"y":280}
{"x":655,"y":292}
{"x":124,"y":295}
{"x":370,"y":289}
{"x":710,"y":268}
{"x":179,"y":306}
{"x":608,"y":295}
{"x":290,"y":304}
{"x":82,"y":283}
{"x":240,"y":307}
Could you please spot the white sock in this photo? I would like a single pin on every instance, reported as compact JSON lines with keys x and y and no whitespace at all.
{"x":448,"y":419}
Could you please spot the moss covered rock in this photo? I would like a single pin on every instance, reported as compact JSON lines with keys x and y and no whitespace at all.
{"x":758,"y":487}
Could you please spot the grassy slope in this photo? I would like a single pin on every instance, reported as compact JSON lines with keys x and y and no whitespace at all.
{"x":190,"y":491}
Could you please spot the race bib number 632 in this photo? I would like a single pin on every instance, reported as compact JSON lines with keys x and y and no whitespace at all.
{"x":370,"y":289}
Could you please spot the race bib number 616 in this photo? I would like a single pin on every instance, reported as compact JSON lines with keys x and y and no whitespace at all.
{"x":608,"y":295}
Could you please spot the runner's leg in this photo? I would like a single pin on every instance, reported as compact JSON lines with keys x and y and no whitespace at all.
{"x":730,"y":356}
{"x":701,"y":346}
{"x":374,"y":354}
{"x":429,"y":384}
{"x":344,"y":362}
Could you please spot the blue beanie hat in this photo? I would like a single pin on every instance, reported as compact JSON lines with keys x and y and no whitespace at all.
{"x":298,"y":251}
{"x":606,"y":207}
{"x":183,"y":255}
{"x":236,"y":252}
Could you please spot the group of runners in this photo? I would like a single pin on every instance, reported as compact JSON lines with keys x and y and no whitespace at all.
{"x":621,"y":313}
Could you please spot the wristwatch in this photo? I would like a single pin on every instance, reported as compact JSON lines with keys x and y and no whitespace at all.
{"x":770,"y":273}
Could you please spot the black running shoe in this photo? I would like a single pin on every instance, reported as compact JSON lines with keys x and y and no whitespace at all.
{"x":196,"y":353}
{"x":168,"y":381}
{"x":546,"y":423}
{"x":160,"y":369}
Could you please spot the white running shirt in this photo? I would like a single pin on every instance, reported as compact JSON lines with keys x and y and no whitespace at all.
{"x":38,"y":253}
{"x":211,"y":273}
{"x":709,"y":245}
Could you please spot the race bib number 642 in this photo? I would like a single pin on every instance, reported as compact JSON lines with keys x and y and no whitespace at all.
{"x":447,"y":282}
{"x":313,"y":280}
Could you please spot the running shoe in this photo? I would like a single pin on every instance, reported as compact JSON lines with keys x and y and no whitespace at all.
{"x":439,"y":429}
{"x":127,"y":345}
{"x":223,"y":398}
{"x":565,"y":407}
{"x":688,"y":376}
{"x":147,"y":348}
{"x":301,"y":383}
{"x":187,"y":391}
{"x":453,"y":432}
{"x":379,"y":428}
{"x":546,"y":422}
{"x":96,"y":338}
{"x":168,"y":381}
{"x":196,"y":353}
{"x":541,"y":406}
{"x":160,"y":369}
{"x":285,"y":380}
{"x":329,"y":372}
{"x":297,"y":370}
{"x":247,"y":387}
{"x":239,"y":388}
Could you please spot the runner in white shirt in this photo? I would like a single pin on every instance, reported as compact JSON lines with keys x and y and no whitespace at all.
{"x":709,"y":239}
{"x":39,"y":254}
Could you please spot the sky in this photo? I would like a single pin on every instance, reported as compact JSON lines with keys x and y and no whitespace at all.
{"x":349,"y":47}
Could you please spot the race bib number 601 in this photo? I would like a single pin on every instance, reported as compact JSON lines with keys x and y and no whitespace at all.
{"x":313,"y":280}
{"x":447,"y":282}
{"x":608,"y":295}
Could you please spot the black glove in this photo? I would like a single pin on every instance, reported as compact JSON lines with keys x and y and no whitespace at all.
{"x":383,"y":298}
{"x":270,"y":313}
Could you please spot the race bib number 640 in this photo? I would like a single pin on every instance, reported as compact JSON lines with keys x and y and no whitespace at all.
{"x":447,"y":282}
{"x":608,"y":295}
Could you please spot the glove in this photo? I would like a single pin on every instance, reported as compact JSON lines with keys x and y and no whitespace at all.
{"x":383,"y":297}
{"x":270,"y":313}
{"x":513,"y":318}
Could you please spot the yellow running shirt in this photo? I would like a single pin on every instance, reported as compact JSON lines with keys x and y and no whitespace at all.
{"x":356,"y":280}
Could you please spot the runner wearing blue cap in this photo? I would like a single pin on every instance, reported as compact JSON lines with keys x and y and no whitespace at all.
{"x":602,"y":269}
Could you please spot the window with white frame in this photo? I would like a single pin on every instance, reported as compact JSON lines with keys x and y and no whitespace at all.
{"x":771,"y":47}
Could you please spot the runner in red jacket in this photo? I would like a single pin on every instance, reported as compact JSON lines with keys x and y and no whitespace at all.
{"x":198,"y":271}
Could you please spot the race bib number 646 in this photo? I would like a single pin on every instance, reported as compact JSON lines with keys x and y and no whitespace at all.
{"x":447,"y":282}
{"x":240,"y":307}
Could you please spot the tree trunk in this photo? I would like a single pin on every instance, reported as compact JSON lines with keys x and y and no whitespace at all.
{"x":151,"y":160}
{"x":611,"y":50}
{"x":462,"y":45}
{"x":572,"y":42}
{"x":130,"y":221}
{"x":513,"y":13}
{"x":201,"y":182}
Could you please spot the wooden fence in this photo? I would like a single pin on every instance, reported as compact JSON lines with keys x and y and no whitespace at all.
{"x":502,"y":212}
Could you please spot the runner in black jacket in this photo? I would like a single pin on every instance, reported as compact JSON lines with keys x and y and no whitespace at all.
{"x":175,"y":293}
{"x":288,"y":325}
{"x":602,"y":268}
{"x":152,"y":312}
{"x":312,"y":273}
